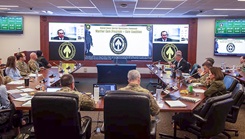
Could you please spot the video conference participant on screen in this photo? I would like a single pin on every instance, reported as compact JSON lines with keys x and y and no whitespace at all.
{"x":61,"y":35}
{"x":134,"y":79}
{"x":164,"y":37}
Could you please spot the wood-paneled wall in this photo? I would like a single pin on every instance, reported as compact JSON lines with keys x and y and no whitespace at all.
{"x":192,"y":42}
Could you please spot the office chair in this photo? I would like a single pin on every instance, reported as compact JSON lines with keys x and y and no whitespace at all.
{"x":213,"y":122}
{"x":56,"y":115}
{"x":193,"y":71}
{"x":127,"y":116}
{"x":230,"y":82}
{"x":238,"y":95}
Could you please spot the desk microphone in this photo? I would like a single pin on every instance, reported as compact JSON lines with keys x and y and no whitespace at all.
{"x":178,"y":68}
{"x":60,"y":67}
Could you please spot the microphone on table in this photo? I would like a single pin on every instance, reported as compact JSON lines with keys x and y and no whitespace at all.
{"x":59,"y":67}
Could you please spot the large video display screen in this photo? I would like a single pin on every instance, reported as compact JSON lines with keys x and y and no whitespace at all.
{"x":11,"y":24}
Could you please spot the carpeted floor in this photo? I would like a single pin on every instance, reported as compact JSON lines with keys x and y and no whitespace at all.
{"x":86,"y":85}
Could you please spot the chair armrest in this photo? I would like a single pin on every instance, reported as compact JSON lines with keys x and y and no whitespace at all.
{"x":86,"y":124}
{"x":199,"y":118}
{"x":5,"y":110}
{"x":235,"y":107}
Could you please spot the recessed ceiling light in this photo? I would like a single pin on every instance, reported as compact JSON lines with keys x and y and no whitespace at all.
{"x":4,"y":9}
{"x":210,"y":15}
{"x":217,"y":9}
{"x":123,"y":5}
{"x":9,"y":6}
{"x":70,"y":7}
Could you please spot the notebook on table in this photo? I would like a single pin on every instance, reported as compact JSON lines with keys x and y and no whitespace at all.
{"x":53,"y":89}
{"x":103,"y":88}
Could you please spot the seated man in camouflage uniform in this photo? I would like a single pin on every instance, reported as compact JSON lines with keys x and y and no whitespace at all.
{"x":33,"y":65}
{"x":21,"y":64}
{"x":134,"y":79}
{"x":68,"y":85}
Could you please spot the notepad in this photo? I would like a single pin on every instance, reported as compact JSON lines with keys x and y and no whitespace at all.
{"x":27,"y":104}
{"x":16,"y":82}
{"x":197,"y":90}
{"x":175,"y":103}
{"x":23,"y":99}
{"x":191,"y":99}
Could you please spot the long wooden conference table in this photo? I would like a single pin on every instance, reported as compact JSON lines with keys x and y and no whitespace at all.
{"x":51,"y":77}
{"x":163,"y":77}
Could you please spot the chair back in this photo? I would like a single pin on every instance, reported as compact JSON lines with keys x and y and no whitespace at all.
{"x":194,"y":71}
{"x":127,"y":115}
{"x":55,"y":115}
{"x":216,"y":117}
{"x":210,"y":101}
{"x":238,"y":95}
{"x":230,"y":82}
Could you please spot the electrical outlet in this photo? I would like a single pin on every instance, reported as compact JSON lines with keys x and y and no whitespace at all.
{"x":85,"y":70}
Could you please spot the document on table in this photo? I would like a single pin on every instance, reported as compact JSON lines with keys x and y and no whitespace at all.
{"x":34,"y":75}
{"x":198,"y":90}
{"x":23,"y":99}
{"x":14,"y":91}
{"x":175,"y":103}
{"x":16,"y":82}
{"x":27,"y":90}
{"x":27,"y":104}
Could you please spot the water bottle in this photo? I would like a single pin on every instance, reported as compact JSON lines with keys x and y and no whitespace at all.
{"x":96,"y":93}
{"x":36,"y":72}
{"x":158,"y":93}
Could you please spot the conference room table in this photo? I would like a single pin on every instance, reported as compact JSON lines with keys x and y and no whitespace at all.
{"x":51,"y":78}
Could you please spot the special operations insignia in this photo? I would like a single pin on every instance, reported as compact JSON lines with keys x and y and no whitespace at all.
{"x":230,"y":47}
{"x":67,"y":51}
{"x":168,"y":52}
{"x":118,"y":44}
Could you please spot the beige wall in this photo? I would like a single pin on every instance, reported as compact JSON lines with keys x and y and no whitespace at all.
{"x":29,"y":40}
{"x":205,"y":44}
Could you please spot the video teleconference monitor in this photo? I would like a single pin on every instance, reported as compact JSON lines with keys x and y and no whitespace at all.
{"x":11,"y":24}
{"x":122,"y":41}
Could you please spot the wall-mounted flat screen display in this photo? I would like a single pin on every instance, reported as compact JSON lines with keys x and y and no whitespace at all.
{"x":230,"y":27}
{"x":11,"y":25}
{"x":110,"y":41}
{"x":167,"y":33}
{"x":229,"y":46}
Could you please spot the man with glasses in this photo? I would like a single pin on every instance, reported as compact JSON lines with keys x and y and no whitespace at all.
{"x":21,"y":64}
{"x":164,"y":37}
{"x":61,"y":35}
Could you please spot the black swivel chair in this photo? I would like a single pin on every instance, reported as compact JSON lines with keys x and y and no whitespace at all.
{"x":56,"y":115}
{"x":193,"y":71}
{"x":230,"y":83}
{"x":238,"y":95}
{"x":213,"y":122}
{"x":127,"y":116}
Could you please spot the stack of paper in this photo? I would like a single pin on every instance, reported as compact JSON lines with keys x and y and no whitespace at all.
{"x":17,"y":82}
{"x":197,"y":90}
{"x":175,"y":103}
{"x":27,"y":104}
{"x":191,"y":99}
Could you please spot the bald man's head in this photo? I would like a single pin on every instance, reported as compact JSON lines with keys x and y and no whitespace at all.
{"x":33,"y":56}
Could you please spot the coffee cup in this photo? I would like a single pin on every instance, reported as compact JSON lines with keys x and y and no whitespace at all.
{"x":27,"y":80}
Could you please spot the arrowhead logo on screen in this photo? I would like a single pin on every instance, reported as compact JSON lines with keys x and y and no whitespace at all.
{"x":168,"y":52}
{"x":67,"y":51}
{"x":118,"y":44}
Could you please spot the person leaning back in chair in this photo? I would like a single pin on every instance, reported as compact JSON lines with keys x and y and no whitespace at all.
{"x":134,"y":85}
{"x":68,"y":85}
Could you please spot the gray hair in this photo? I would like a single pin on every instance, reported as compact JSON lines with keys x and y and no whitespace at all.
{"x":133,"y":75}
{"x":66,"y":80}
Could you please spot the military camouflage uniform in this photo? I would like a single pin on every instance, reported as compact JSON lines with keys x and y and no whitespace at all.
{"x":201,"y":80}
{"x":33,"y":65}
{"x":86,"y":102}
{"x":6,"y":79}
{"x":23,"y":68}
{"x":154,"y":108}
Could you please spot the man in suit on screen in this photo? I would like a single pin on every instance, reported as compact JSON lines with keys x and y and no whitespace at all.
{"x":61,"y":35}
{"x":164,"y":37}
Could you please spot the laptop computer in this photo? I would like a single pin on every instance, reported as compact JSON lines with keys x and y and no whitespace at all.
{"x":53,"y":89}
{"x":103,"y":88}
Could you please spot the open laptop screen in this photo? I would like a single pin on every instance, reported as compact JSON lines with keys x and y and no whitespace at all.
{"x":103,"y":88}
